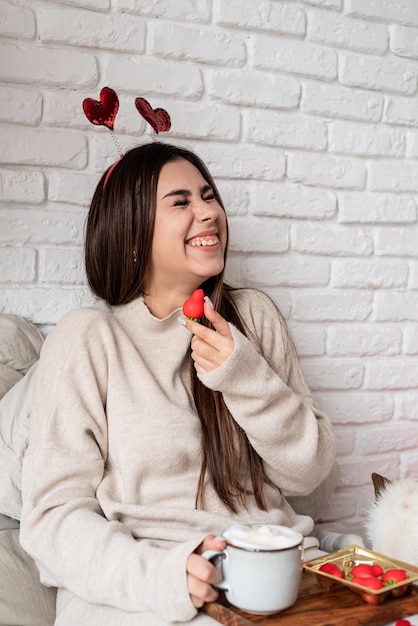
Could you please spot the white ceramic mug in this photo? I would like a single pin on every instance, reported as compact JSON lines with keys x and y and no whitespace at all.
{"x":261,"y":567}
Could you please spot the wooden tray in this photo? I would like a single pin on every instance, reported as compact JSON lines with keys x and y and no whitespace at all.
{"x":317,"y":606}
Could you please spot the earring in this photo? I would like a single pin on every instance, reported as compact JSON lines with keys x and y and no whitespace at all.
{"x":135,"y":258}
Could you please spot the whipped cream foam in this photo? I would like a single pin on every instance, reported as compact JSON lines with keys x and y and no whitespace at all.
{"x":262,"y":536}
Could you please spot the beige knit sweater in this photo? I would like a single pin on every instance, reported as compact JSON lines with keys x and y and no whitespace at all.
{"x":110,"y":477}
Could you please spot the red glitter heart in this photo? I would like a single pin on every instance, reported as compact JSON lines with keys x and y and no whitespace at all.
{"x":102,"y":112}
{"x":159,"y":119}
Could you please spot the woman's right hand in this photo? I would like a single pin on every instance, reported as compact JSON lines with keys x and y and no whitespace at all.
{"x":202,"y":574}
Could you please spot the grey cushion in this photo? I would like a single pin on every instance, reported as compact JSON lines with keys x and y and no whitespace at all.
{"x":14,"y":433}
{"x":20,"y":345}
{"x":23,"y":600}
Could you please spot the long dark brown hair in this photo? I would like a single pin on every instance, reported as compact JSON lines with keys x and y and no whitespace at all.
{"x":121,"y":219}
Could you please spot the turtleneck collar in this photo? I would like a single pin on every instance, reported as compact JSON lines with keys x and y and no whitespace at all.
{"x":153,"y":329}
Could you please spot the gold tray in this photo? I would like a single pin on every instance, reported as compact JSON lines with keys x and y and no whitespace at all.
{"x":347,"y":558}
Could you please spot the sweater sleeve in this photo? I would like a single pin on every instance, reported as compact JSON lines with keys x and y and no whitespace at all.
{"x":267,"y":394}
{"x":62,"y":526}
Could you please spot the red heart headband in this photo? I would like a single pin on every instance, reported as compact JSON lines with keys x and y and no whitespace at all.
{"x":103,"y":112}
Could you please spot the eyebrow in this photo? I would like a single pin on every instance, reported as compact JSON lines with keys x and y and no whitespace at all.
{"x":186,"y":192}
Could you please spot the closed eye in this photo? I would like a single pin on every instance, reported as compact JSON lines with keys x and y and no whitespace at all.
{"x":183,"y":202}
{"x":210,"y":196}
{"x":183,"y":195}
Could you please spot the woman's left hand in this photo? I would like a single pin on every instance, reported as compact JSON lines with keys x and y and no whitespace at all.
{"x":210,"y":348}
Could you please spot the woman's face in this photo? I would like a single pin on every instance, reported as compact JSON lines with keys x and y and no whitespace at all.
{"x":190,"y":233}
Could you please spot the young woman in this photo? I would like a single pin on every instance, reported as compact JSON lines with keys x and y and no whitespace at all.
{"x":149,"y":437}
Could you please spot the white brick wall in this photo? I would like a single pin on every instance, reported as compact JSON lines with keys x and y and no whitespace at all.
{"x":306,"y":112}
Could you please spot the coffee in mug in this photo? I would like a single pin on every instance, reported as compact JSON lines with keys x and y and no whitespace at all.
{"x":261,"y":567}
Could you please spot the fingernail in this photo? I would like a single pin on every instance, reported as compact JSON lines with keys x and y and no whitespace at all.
{"x":220,"y":538}
{"x":209,"y":302}
{"x":181,"y":321}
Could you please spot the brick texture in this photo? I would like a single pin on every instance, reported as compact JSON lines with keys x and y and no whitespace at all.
{"x":306,"y":113}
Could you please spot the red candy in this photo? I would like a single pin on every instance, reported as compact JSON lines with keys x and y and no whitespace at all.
{"x":363,"y":570}
{"x":377,"y":570}
{"x":371,"y":581}
{"x":193,"y":308}
{"x":368,"y":581}
{"x":394,"y":576}
{"x":332,"y":569}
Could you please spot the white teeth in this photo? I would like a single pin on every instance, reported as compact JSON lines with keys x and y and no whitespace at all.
{"x":200,"y":241}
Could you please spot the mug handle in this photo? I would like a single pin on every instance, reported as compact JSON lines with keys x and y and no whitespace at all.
{"x":211,"y":554}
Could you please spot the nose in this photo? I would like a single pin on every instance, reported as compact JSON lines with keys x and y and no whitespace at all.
{"x":205,"y":212}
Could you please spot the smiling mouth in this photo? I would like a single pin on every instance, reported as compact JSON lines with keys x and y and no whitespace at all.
{"x":204,"y":242}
